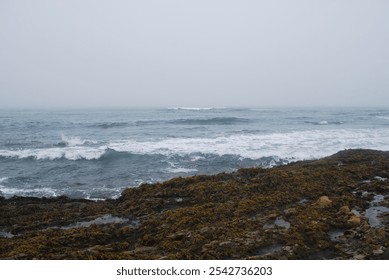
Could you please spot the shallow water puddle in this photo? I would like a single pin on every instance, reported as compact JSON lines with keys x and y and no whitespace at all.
{"x":372,"y":214}
{"x":279,"y":222}
{"x":374,"y":211}
{"x":335,"y":234}
{"x":6,"y":234}
{"x":106,"y":219}
{"x":269,"y":249}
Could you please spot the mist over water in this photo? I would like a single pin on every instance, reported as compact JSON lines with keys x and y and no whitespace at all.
{"x":97,"y":153}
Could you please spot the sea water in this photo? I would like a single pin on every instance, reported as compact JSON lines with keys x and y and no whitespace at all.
{"x":96,"y":153}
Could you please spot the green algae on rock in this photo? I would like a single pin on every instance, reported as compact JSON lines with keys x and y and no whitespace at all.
{"x":321,"y":209}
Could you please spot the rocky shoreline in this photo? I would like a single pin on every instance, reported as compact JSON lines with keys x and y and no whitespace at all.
{"x":333,"y":208}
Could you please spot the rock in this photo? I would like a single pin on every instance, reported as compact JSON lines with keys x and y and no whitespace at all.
{"x":324,"y":201}
{"x":345,"y":209}
{"x":290,"y":211}
{"x":288,"y":249}
{"x":354,"y":220}
{"x":225,"y":243}
{"x":144,"y":249}
{"x":378,"y":252}
{"x":355,"y":212}
{"x":359,"y":257}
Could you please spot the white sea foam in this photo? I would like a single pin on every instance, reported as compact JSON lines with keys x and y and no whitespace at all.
{"x":290,"y":146}
{"x":383,"y":117}
{"x":293,"y":145}
{"x":70,"y":153}
{"x":196,"y":158}
{"x":180,"y":170}
{"x":75,"y":141}
{"x":34,"y":192}
{"x":3,"y":179}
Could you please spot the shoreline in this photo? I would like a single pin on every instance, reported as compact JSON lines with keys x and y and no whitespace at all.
{"x":331,"y":208}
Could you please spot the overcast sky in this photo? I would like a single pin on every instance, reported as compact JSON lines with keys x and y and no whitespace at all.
{"x":194,"y":53}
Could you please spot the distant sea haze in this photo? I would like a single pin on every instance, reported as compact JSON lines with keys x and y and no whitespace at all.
{"x":95,"y":154}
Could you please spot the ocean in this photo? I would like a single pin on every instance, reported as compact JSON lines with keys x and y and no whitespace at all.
{"x":96,"y":153}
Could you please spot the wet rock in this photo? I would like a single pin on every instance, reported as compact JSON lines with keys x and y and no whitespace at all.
{"x":290,"y":211}
{"x":359,"y":257}
{"x":143,"y":249}
{"x":280,"y":222}
{"x":378,"y":251}
{"x":379,"y":178}
{"x":354,"y":220}
{"x":355,"y":213}
{"x":324,"y":201}
{"x":345,"y":209}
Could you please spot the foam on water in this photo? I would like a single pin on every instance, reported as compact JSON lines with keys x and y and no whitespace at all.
{"x":291,"y":146}
{"x":180,"y":170}
{"x":31,"y":192}
{"x":70,"y":153}
{"x":3,"y":179}
{"x":74,"y":141}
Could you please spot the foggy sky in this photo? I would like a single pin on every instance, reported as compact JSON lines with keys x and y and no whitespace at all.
{"x":194,"y":53}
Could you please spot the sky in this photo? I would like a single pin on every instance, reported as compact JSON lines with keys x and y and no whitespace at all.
{"x":95,"y":53}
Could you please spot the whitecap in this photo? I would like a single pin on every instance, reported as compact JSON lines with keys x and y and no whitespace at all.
{"x":70,"y":153}
{"x":196,"y":158}
{"x":3,"y":179}
{"x":281,"y":147}
{"x":291,"y":146}
{"x":27,"y":192}
{"x":74,"y":141}
{"x":180,"y":170}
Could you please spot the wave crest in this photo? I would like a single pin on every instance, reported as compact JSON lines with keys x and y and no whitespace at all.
{"x":69,"y":153}
{"x":73,"y":141}
{"x":300,"y":145}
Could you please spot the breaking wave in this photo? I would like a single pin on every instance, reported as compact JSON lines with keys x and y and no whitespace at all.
{"x":292,"y":146}
{"x":73,"y":141}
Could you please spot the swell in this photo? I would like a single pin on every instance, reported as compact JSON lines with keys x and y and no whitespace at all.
{"x":211,"y":121}
{"x":107,"y":125}
{"x":182,"y":121}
